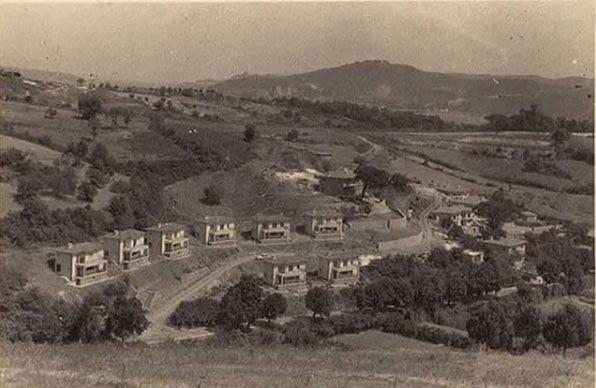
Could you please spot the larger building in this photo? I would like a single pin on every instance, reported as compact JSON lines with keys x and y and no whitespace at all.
{"x":82,"y":264}
{"x":325,"y":224}
{"x":128,"y":248}
{"x":271,"y":228}
{"x":339,"y":270}
{"x":285,"y":272}
{"x":168,"y":239}
{"x":217,"y":231}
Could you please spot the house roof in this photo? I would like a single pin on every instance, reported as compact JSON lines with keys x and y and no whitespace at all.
{"x":456,"y":209}
{"x":506,"y":242}
{"x":167,"y":227}
{"x":339,"y":174}
{"x":216,"y":219}
{"x":270,"y":217}
{"x":128,"y":234}
{"x":285,"y":260}
{"x":324,"y":213}
{"x":528,"y":213}
{"x":470,"y":252}
{"x":84,"y":247}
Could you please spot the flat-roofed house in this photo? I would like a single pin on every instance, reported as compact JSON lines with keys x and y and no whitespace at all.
{"x":476,"y":257}
{"x":128,"y":248}
{"x":507,"y":246}
{"x":271,"y":228}
{"x":283,"y":272}
{"x":339,"y":270}
{"x":325,"y":224}
{"x":529,"y":217}
{"x":217,"y":231}
{"x":341,"y":183}
{"x":168,"y":239}
{"x":82,"y":263}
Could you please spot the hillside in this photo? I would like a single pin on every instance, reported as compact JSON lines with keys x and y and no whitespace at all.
{"x":405,"y":87}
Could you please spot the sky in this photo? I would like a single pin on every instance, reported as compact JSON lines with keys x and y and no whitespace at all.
{"x":171,"y":43}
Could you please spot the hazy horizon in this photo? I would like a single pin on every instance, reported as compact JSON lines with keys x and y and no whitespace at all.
{"x":173,"y":43}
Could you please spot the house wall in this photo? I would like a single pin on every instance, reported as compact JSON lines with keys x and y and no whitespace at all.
{"x":113,"y":249}
{"x":156,"y":240}
{"x":65,"y":261}
{"x":381,"y":224}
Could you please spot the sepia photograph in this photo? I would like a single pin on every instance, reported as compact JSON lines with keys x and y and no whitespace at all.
{"x":325,"y":194}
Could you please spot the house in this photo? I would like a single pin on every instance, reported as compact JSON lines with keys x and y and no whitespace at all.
{"x":476,"y":257}
{"x":217,"y":231}
{"x":325,"y":224}
{"x":342,"y":184}
{"x":528,"y":217}
{"x":271,"y":228}
{"x":283,"y":272}
{"x":128,"y":248}
{"x":169,"y":240}
{"x":507,"y":246}
{"x":339,"y":270}
{"x":459,"y":215}
{"x":82,"y":263}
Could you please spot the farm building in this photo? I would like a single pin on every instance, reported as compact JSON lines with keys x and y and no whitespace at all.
{"x":169,"y":240}
{"x":217,"y":230}
{"x":128,"y":248}
{"x":82,"y":263}
{"x":325,"y":224}
{"x":271,"y":228}
{"x":285,"y":272}
{"x":339,"y":270}
{"x":342,"y":184}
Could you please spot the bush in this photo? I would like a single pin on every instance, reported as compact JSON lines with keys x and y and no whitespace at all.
{"x":86,"y":192}
{"x":292,"y":135}
{"x":490,"y":324}
{"x":89,"y":106}
{"x":437,"y":334}
{"x":213,"y":195}
{"x":352,"y":323}
{"x":298,"y":333}
{"x":198,"y":312}
{"x":568,"y":328}
{"x":398,"y":323}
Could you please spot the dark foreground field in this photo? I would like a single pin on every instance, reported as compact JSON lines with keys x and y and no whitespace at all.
{"x":369,"y":359}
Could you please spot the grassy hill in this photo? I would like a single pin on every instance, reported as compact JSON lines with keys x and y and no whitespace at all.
{"x":401,"y":86}
{"x":369,"y":359}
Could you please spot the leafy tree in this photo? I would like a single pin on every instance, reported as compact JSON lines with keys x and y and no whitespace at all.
{"x":86,"y":191}
{"x":400,"y":182}
{"x":126,"y":317}
{"x":320,"y":301}
{"x":89,"y":106}
{"x":250,"y":133}
{"x":568,"y":328}
{"x":371,"y":177}
{"x":560,"y":137}
{"x":241,"y":305}
{"x":375,"y":296}
{"x":213,"y":195}
{"x":456,"y":287}
{"x":490,"y":324}
{"x":198,"y":312}
{"x":528,"y":325}
{"x":273,"y":306}
{"x":101,"y":159}
{"x":429,"y":287}
{"x":498,"y":209}
{"x":11,"y":282}
{"x":292,"y":135}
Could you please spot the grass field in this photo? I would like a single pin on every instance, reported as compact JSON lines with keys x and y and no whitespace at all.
{"x":369,"y":359}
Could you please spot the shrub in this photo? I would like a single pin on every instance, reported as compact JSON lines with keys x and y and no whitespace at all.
{"x":198,"y":312}
{"x":89,"y":106}
{"x":292,"y":135}
{"x":568,"y":328}
{"x":213,"y":195}
{"x":490,"y":324}
{"x":352,"y":323}
{"x":86,"y":192}
{"x":249,"y":133}
{"x":398,"y":323}
{"x":298,"y":333}
{"x":437,"y":334}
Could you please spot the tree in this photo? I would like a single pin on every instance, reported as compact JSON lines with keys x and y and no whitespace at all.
{"x":94,"y":124}
{"x":250,"y":133}
{"x":273,"y":306}
{"x":400,"y":182}
{"x":241,"y":305}
{"x":89,"y":106}
{"x":213,"y":195}
{"x":50,"y":113}
{"x":528,"y":325}
{"x":429,"y":287}
{"x":292,"y":135}
{"x":568,"y":328}
{"x":559,"y":138}
{"x":371,"y":177}
{"x":86,"y":192}
{"x":491,"y":325}
{"x":126,"y":317}
{"x":320,"y":301}
{"x":198,"y":312}
{"x":375,"y":296}
{"x":456,"y":287}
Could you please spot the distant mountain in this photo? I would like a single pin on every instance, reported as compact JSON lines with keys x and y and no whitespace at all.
{"x":44,"y":75}
{"x":406,"y":87}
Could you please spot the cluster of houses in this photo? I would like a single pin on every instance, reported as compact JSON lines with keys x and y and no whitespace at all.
{"x":86,"y":263}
